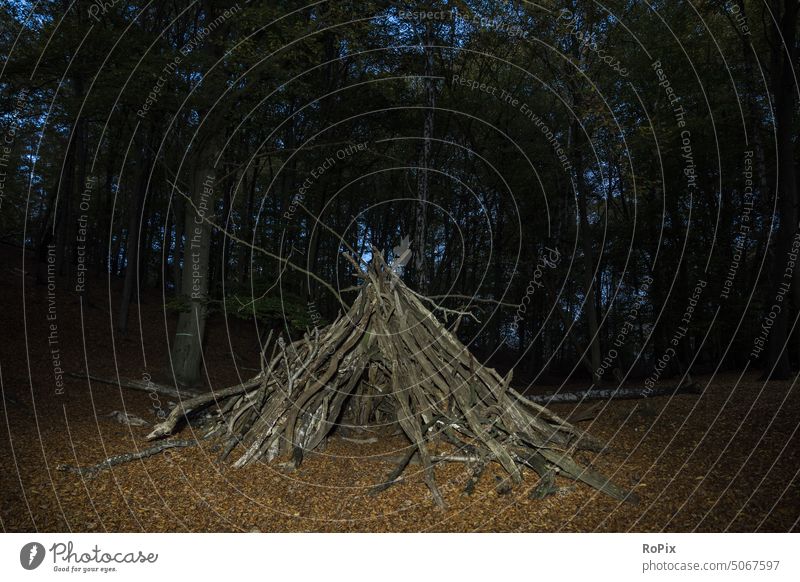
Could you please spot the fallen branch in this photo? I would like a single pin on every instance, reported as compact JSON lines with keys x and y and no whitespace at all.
{"x":136,"y":385}
{"x":187,"y":406}
{"x":613,"y":394}
{"x":434,"y":459}
{"x":126,"y":458}
{"x":127,"y":418}
{"x":359,"y":441}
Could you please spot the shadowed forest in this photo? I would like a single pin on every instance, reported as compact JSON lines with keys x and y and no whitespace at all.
{"x":588,"y":206}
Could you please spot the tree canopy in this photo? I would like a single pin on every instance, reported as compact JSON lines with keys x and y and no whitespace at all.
{"x":610,"y":190}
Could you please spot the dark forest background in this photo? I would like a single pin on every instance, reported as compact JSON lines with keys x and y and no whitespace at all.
{"x":611,"y":188}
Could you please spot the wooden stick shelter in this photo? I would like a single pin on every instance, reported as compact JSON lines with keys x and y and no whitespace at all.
{"x":390,"y":360}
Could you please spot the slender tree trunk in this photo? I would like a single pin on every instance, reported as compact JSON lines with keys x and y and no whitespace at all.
{"x":179,"y":212}
{"x":151,"y":277}
{"x":777,"y":362}
{"x":73,"y":181}
{"x":132,"y":244}
{"x":424,"y":163}
{"x":167,"y":243}
{"x":106,"y":216}
{"x":46,"y":237}
{"x":246,"y":257}
{"x":63,"y":218}
{"x":590,"y":304}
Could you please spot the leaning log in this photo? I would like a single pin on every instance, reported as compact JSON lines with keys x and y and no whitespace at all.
{"x":613,"y":394}
{"x":136,"y":385}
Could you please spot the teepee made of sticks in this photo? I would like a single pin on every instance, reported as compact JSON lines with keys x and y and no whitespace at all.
{"x":388,"y":359}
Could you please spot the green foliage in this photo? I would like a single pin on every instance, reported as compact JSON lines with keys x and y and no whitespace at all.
{"x":272,"y":309}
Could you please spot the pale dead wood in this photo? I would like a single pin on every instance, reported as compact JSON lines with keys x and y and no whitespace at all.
{"x":126,"y":457}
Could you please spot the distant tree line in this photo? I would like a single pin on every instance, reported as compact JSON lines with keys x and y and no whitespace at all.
{"x":611,"y":190}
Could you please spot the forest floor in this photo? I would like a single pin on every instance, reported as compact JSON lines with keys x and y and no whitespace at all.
{"x":726,"y":460}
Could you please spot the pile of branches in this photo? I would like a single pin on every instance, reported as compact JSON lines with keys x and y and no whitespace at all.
{"x":390,"y":360}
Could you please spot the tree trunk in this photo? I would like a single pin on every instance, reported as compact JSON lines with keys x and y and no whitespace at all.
{"x":590,"y":302}
{"x":132,"y":244}
{"x":248,"y":222}
{"x":777,"y":365}
{"x":187,"y":350}
{"x":179,"y":214}
{"x":425,"y":156}
{"x":106,"y":215}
